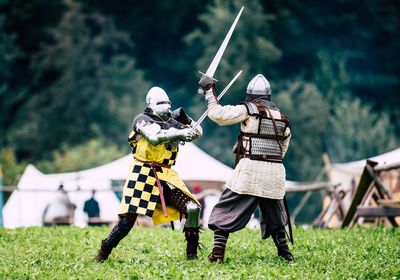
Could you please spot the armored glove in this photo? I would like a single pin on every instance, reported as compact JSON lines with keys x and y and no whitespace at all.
{"x":155,"y":135}
{"x":206,"y":83}
{"x":187,"y":134}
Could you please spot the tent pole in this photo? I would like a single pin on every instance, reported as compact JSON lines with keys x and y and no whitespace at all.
{"x":301,"y":205}
{"x":327,"y":166}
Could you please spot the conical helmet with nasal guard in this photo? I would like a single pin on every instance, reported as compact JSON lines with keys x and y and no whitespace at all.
{"x":259,"y":85}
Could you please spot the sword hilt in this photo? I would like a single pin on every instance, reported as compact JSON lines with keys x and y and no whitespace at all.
{"x":201,"y":119}
{"x":208,"y":76}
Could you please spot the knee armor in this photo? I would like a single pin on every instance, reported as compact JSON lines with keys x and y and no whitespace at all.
{"x":192,"y":215}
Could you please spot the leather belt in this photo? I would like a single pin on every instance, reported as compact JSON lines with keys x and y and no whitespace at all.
{"x":268,"y":158}
{"x":153,"y":166}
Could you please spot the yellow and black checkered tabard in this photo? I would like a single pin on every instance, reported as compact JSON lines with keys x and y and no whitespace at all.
{"x":170,"y":160}
{"x":141,"y":192}
{"x":164,"y":153}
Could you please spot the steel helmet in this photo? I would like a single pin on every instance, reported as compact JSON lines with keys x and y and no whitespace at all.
{"x":259,"y":85}
{"x":158,"y":100}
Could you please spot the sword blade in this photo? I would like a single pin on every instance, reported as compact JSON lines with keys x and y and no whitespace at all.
{"x":214,"y":64}
{"x":204,"y":115}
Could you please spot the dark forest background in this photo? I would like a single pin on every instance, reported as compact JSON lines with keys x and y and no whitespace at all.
{"x":73,"y":74}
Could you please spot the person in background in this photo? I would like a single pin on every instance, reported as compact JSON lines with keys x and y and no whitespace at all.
{"x":259,"y":175}
{"x":92,"y":209}
{"x":60,"y":211}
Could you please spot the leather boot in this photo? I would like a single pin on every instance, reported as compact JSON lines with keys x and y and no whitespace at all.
{"x":217,"y":255}
{"x":104,"y":252}
{"x":192,"y":239}
{"x":118,"y":232}
{"x":279,"y":238}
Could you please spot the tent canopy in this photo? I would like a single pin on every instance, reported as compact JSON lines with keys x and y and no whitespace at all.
{"x":25,"y":207}
{"x":356,"y":167}
{"x":192,"y":165}
{"x":347,"y":174}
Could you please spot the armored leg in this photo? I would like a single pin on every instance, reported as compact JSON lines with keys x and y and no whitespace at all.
{"x":118,"y":232}
{"x":192,"y":229}
{"x":279,"y":238}
{"x":192,"y":214}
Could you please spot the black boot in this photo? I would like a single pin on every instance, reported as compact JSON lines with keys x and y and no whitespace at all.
{"x":118,"y":232}
{"x":217,"y":255}
{"x":104,"y":252}
{"x":279,"y":238}
{"x":192,"y":238}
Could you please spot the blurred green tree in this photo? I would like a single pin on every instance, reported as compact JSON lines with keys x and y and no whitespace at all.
{"x":158,"y":29}
{"x":357,"y":131}
{"x":11,"y":168}
{"x":91,"y":87}
{"x":345,"y":128}
{"x":9,"y":95}
{"x":8,"y":53}
{"x":308,"y":112}
{"x":249,"y":49}
{"x":353,"y":123}
{"x":359,"y":32}
{"x":86,"y":155}
{"x":336,"y":49}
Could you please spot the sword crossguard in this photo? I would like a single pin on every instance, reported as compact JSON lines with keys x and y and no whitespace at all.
{"x":201,"y":119}
{"x":208,"y":76}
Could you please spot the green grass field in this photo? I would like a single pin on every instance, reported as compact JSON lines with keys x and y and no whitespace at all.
{"x":157,"y":253}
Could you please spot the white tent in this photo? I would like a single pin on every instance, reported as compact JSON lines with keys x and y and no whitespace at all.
{"x":347,"y":174}
{"x":25,"y":207}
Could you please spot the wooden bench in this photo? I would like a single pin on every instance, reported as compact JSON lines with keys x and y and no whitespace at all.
{"x":378,"y":211}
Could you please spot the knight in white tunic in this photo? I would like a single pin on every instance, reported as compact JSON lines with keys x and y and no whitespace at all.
{"x":259,"y":175}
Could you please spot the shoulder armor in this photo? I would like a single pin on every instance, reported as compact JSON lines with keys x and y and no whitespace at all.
{"x":285,"y":119}
{"x":139,"y":119}
{"x":181,"y":116}
{"x":252,"y":109}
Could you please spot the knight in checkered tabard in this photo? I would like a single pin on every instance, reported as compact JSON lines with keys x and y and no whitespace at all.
{"x":153,"y":188}
{"x":259,"y":176}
